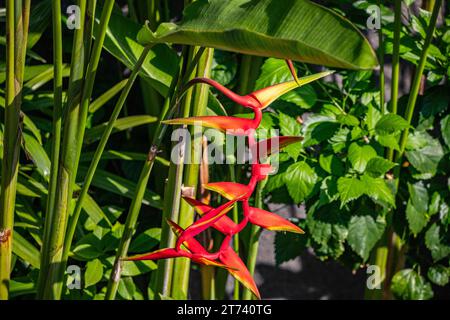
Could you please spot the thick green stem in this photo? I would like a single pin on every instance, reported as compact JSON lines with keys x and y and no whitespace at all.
{"x":17,"y":21}
{"x":395,"y":65}
{"x":414,"y":92}
{"x":254,"y":239}
{"x":186,"y":216}
{"x":57,"y":112}
{"x":98,"y":154}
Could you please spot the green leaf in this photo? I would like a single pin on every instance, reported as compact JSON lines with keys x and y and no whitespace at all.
{"x":409,"y":285}
{"x":265,"y":28}
{"x":276,"y":71}
{"x":95,"y":133}
{"x":363,"y":233}
{"x":390,"y":123}
{"x":331,"y":164}
{"x":438,"y":274}
{"x":359,"y":155}
{"x":426,"y":158}
{"x":37,"y":154}
{"x":106,"y":96}
{"x":329,"y":229}
{"x":378,"y":166}
{"x":94,"y":273}
{"x":288,"y":246}
{"x":445,"y":129}
{"x":417,"y":207}
{"x":161,"y":62}
{"x":437,"y":243}
{"x":350,"y":189}
{"x":318,"y":128}
{"x":378,"y":190}
{"x":145,"y":241}
{"x":88,"y":248}
{"x":300,"y":180}
{"x":25,"y":250}
{"x":118,"y":185}
{"x":126,"y":288}
{"x":390,"y":141}
{"x":348,"y":120}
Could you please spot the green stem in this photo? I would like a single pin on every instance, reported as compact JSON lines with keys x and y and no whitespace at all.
{"x":395,"y":64}
{"x":254,"y":239}
{"x":381,"y":59}
{"x":236,"y":236}
{"x":17,"y":21}
{"x":186,"y":215}
{"x":57,"y":111}
{"x":136,"y":203}
{"x":98,"y":153}
{"x":55,"y":221}
{"x":414,"y":92}
{"x":81,"y":84}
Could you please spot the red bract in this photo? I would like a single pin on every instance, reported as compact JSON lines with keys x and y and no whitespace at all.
{"x":186,"y":245}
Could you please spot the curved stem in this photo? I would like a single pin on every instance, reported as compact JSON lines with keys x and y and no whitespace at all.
{"x":395,"y":65}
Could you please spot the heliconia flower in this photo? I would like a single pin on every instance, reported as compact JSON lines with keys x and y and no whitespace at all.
{"x":195,"y":251}
{"x":271,"y":221}
{"x":259,"y":217}
{"x":204,"y":222}
{"x":225,"y":257}
{"x":266,"y":147}
{"x":238,"y":269}
{"x":256,"y":101}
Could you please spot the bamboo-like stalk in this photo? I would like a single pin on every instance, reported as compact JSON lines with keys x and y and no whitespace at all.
{"x":17,"y":22}
{"x":186,"y":215}
{"x":98,"y":154}
{"x":395,"y":64}
{"x":254,"y":239}
{"x":172,"y":197}
{"x":55,"y":221}
{"x":57,"y":112}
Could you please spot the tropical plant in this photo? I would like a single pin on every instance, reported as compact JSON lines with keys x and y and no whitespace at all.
{"x":93,"y":185}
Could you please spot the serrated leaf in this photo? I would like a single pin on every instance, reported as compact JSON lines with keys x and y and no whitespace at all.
{"x":439,"y":274}
{"x":359,"y":155}
{"x":300,"y":180}
{"x":417,"y":207}
{"x":331,"y":164}
{"x":407,"y":284}
{"x":350,"y":189}
{"x":390,"y":123}
{"x":378,"y":190}
{"x":288,"y":246}
{"x":390,"y":141}
{"x":378,"y":166}
{"x":363,"y":233}
{"x":94,"y":272}
{"x":348,"y":120}
{"x":426,"y":158}
{"x":329,"y":229}
{"x":437,"y":243}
